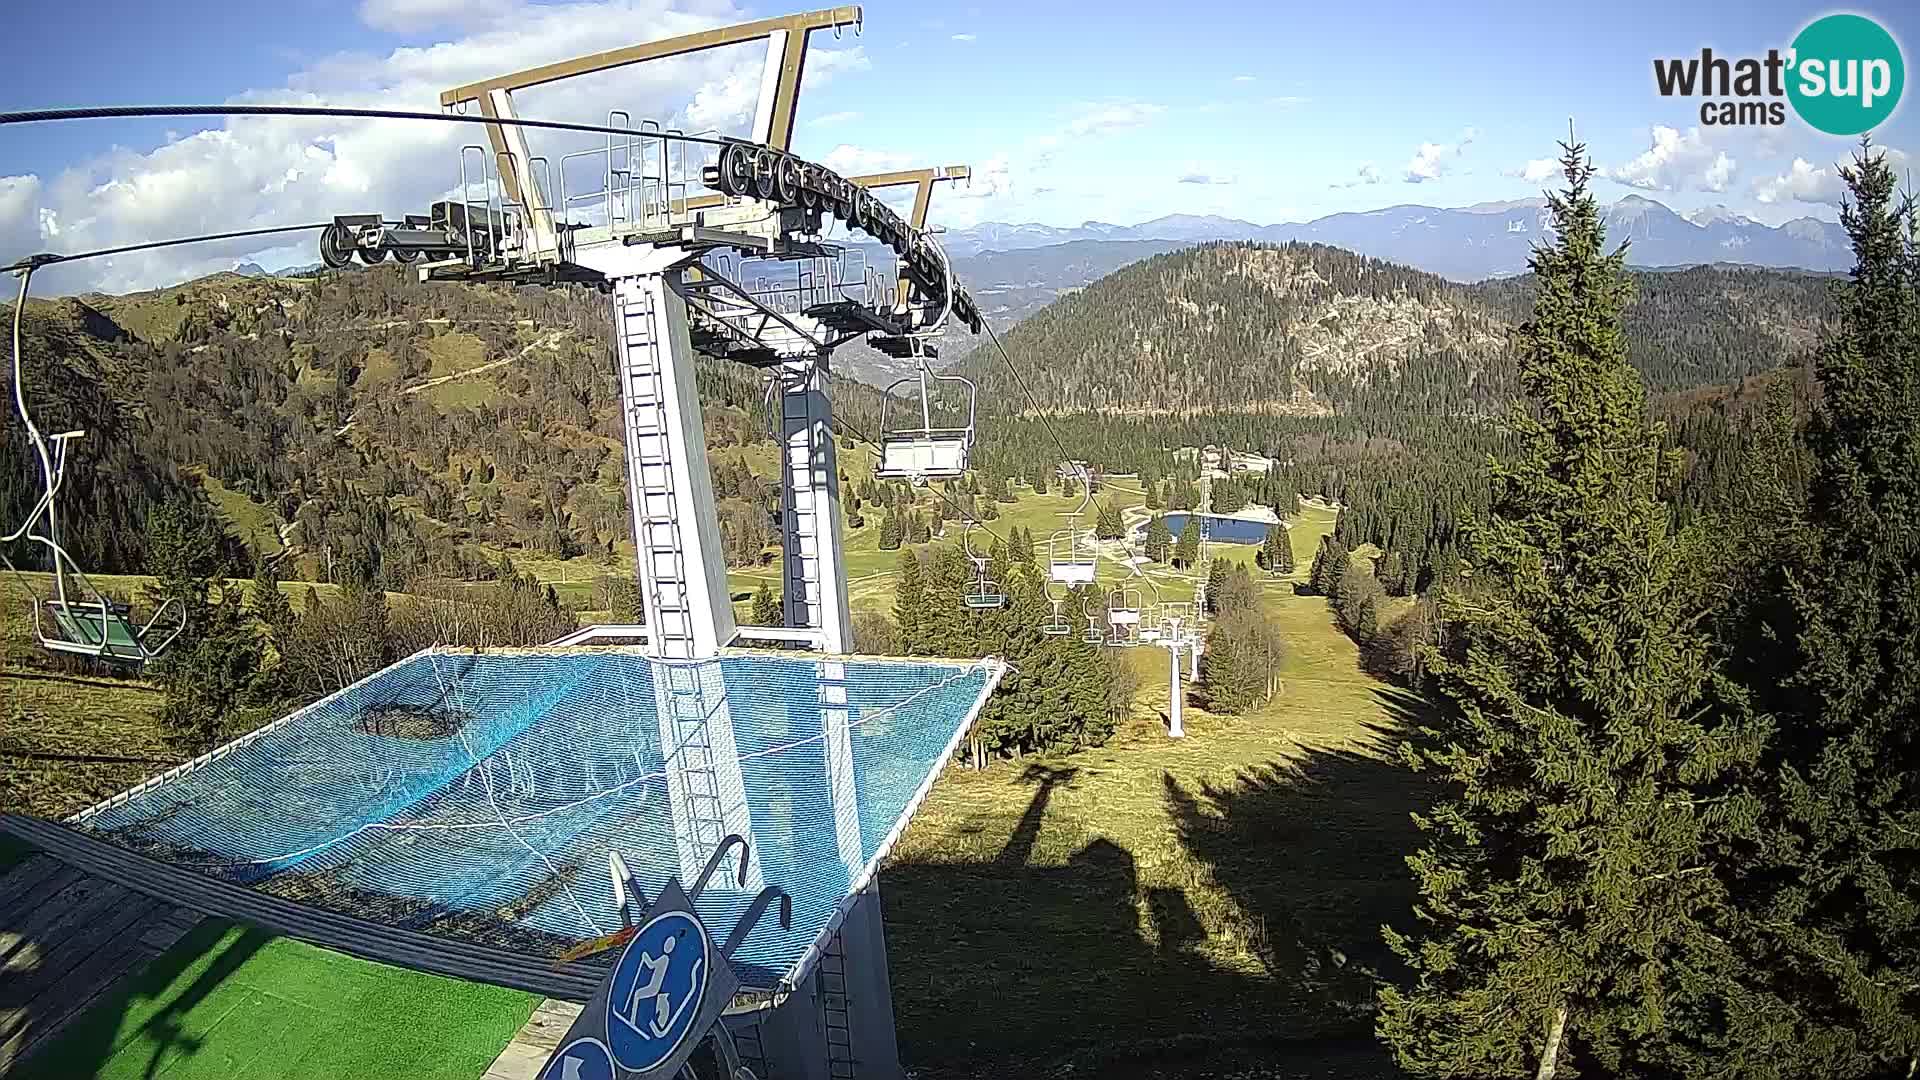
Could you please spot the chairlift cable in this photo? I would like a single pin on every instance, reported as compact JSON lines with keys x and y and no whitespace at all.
{"x":107,"y":112}
{"x":49,"y":259}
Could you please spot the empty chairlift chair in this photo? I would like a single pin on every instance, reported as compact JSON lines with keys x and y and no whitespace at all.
{"x":919,"y":454}
{"x":1123,"y":616}
{"x":983,"y":592}
{"x":77,"y":620}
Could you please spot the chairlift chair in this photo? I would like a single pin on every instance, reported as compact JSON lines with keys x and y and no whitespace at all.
{"x":984,"y":593}
{"x":95,"y":627}
{"x":919,"y":454}
{"x":1068,"y":561}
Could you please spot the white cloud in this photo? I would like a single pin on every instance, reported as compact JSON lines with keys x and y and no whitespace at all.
{"x":403,"y":16}
{"x":255,"y":172}
{"x":1194,"y":174}
{"x":966,"y":39}
{"x":1807,"y":183}
{"x":849,"y":160}
{"x":1432,"y":160}
{"x":835,"y":119}
{"x":1534,"y":171}
{"x":24,"y":224}
{"x":1366,"y":174}
{"x":1107,"y":119}
{"x":1243,"y":78}
{"x":1677,"y":161}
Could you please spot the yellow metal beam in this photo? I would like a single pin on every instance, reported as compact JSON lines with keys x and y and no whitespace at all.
{"x":826,"y":18}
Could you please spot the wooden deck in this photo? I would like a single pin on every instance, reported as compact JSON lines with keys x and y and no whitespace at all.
{"x":65,"y":938}
{"x":522,"y":1058}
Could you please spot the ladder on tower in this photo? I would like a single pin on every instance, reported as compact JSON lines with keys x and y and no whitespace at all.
{"x":832,"y":979}
{"x":650,"y":476}
{"x":798,"y":439}
{"x":702,"y":811}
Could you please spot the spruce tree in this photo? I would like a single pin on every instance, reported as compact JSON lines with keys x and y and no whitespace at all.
{"x":766,"y":608}
{"x":1566,"y":885}
{"x":1187,"y":551}
{"x":1108,"y":526}
{"x":1317,"y":576}
{"x":910,"y":604}
{"x":1216,"y":584}
{"x":891,"y":533}
{"x":1276,"y":554}
{"x":1159,"y":542}
{"x":1836,"y":911}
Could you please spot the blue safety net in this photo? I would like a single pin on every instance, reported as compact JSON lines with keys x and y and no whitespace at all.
{"x":478,"y":796}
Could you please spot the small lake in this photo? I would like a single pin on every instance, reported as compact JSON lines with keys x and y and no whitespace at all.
{"x":1223,"y":530}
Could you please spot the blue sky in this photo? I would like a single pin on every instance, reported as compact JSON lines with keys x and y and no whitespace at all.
{"x":1068,"y":111}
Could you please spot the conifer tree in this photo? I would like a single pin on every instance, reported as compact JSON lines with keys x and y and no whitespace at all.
{"x":1836,"y":910}
{"x":1108,"y":526}
{"x":1187,"y":551}
{"x":1317,"y":576}
{"x":891,"y":533}
{"x":1159,"y":542}
{"x":1566,"y":883}
{"x":1154,"y":502}
{"x":910,"y":604}
{"x":766,"y":608}
{"x":1392,"y":572}
{"x":1217,"y":572}
{"x":1276,"y":554}
{"x":270,"y":606}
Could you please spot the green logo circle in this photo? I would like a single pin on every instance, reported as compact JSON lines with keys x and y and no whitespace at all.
{"x":1846,"y":75}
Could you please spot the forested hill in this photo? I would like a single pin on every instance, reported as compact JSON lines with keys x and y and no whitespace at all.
{"x":1308,"y":329}
{"x":379,"y":427}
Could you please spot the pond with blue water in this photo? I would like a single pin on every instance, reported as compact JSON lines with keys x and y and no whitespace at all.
{"x":1224,"y":530}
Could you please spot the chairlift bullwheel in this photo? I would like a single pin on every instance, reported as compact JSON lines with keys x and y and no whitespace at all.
{"x":786,"y":181}
{"x":765,"y":164}
{"x":736,"y":170}
{"x":373,"y":255}
{"x":336,"y":247}
{"x":407,"y":255}
{"x":810,"y":196}
{"x":863,"y":205}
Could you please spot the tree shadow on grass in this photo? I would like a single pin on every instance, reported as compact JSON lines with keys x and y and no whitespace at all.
{"x":1041,"y":962}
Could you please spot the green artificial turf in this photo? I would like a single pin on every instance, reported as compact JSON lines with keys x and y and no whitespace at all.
{"x":232,"y":1001}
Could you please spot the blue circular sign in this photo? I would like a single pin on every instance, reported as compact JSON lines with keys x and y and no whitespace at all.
{"x":581,"y":1059}
{"x":657,"y":989}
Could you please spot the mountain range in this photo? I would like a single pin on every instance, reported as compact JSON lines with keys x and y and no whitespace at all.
{"x":1467,"y":243}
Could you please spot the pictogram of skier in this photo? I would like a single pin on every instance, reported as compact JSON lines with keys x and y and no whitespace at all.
{"x":652,"y":992}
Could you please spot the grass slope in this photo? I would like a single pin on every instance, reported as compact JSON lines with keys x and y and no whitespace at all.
{"x":1190,"y":906}
{"x":228,"y":1001}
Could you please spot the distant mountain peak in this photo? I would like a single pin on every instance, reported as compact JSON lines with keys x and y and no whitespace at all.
{"x":1504,"y":205}
{"x":1470,"y":243}
{"x":1717,"y":214}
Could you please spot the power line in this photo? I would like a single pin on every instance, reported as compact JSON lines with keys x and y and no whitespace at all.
{"x":35,"y":261}
{"x":109,"y":112}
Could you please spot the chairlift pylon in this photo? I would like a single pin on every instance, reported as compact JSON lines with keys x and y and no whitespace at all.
{"x":84,"y":621}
